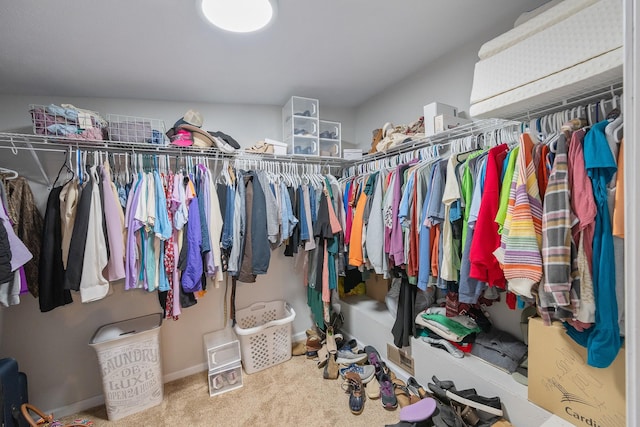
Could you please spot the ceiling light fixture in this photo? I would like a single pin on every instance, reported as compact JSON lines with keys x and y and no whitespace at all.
{"x":239,"y":16}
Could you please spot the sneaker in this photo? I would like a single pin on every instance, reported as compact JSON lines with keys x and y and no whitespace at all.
{"x":470,"y":397}
{"x":353,"y":386}
{"x":387,"y":394}
{"x":347,"y":357}
{"x":415,"y":388}
{"x":366,"y":372}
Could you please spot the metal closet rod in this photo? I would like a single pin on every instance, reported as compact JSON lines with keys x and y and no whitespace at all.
{"x":462,"y":131}
{"x":583,"y":98}
{"x":44,"y":143}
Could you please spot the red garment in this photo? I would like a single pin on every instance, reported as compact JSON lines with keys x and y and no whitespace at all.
{"x":484,"y":265}
{"x":542,"y":172}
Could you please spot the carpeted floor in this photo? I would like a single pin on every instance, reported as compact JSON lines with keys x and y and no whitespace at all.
{"x":292,"y":393}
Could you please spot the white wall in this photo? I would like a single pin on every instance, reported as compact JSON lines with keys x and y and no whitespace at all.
{"x":52,"y":348}
{"x":447,"y":80}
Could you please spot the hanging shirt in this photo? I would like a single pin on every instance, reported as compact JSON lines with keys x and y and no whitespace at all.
{"x":113,"y":216}
{"x":603,"y":340}
{"x":484,"y":266}
{"x":93,"y":285}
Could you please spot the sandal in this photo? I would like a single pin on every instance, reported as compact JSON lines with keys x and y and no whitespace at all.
{"x":260,"y":147}
{"x":416,"y":389}
{"x":402,"y":393}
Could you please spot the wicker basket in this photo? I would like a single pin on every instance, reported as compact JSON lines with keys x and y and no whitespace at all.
{"x":264,"y":331}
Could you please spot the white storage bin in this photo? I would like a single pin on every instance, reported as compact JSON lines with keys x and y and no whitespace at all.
{"x":264,"y":330}
{"x":129,"y":356}
{"x":225,"y":379}
{"x":435,"y":109}
{"x":221,"y":348}
{"x":300,"y":125}
{"x":330,"y":138}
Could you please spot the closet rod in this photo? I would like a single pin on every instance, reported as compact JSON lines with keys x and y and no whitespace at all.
{"x":462,"y":131}
{"x":37,"y":143}
{"x":578,"y":99}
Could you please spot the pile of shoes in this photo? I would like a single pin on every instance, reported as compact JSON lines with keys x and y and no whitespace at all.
{"x":445,"y":406}
{"x":390,"y":136}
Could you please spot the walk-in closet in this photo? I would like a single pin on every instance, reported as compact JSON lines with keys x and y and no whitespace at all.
{"x":341,"y":213}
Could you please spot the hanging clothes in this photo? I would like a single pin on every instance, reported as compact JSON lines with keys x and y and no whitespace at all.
{"x":27,"y":224}
{"x":603,"y":340}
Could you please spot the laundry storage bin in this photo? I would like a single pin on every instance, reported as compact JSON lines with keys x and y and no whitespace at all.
{"x":129,"y":356}
{"x":264,"y":331}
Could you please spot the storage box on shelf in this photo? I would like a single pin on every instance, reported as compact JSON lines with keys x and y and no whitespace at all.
{"x":300,"y":125}
{"x":330,"y":138}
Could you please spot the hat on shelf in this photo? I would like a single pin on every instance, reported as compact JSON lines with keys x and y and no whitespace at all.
{"x":191,"y":117}
{"x":182,"y":138}
{"x":192,"y":122}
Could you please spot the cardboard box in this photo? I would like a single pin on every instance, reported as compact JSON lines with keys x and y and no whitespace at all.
{"x":445,"y":122}
{"x":561,"y":382}
{"x":377,"y":287}
{"x":435,"y":109}
{"x":401,"y":358}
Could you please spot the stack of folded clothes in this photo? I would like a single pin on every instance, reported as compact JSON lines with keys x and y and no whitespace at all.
{"x":454,"y":334}
{"x":68,"y":121}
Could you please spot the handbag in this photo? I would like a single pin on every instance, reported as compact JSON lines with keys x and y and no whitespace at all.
{"x":48,"y":420}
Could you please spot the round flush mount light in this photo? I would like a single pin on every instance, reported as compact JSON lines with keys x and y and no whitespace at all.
{"x":239,"y":16}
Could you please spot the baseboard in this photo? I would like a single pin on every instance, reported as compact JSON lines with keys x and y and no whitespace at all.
{"x":92,"y":402}
{"x":300,"y":336}
{"x":184,"y":373}
{"x":76,"y":407}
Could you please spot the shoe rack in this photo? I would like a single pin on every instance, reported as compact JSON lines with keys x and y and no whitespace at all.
{"x":222,"y":350}
{"x":300,"y":126}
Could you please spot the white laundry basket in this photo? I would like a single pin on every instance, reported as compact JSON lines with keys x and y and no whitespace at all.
{"x":264,"y":332}
{"x":129,"y":356}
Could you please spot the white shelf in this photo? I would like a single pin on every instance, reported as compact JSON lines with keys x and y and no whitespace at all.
{"x":370,"y":323}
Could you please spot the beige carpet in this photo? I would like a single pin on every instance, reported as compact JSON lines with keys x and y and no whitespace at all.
{"x":292,"y":393}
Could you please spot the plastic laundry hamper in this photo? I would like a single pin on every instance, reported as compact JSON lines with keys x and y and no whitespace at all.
{"x":129,"y":356}
{"x":264,"y":332}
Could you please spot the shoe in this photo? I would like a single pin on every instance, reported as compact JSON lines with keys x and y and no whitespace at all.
{"x":323,"y":356}
{"x":313,"y":345}
{"x":331,"y":341}
{"x":347,"y":357}
{"x":374,"y":359}
{"x":330,"y":369}
{"x":353,"y":386}
{"x":419,"y":411}
{"x":349,"y":345}
{"x":455,"y":352}
{"x":470,"y":397}
{"x":439,"y":389}
{"x":402,"y":393}
{"x":298,"y":349}
{"x":260,"y":147}
{"x":232,"y":377}
{"x":366,"y":372}
{"x":387,"y":395}
{"x":373,"y":389}
{"x":305,"y":113}
{"x":467,"y":413}
{"x":416,"y":389}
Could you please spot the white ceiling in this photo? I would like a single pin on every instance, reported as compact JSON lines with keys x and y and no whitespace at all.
{"x":340,"y":51}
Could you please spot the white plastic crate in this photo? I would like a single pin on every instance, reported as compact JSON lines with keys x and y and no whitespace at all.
{"x":264,"y":331}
